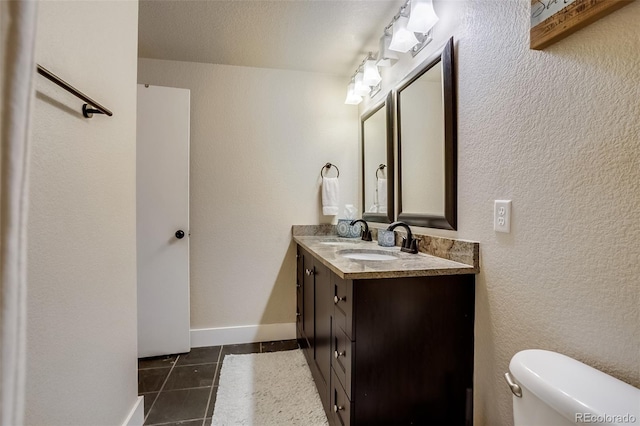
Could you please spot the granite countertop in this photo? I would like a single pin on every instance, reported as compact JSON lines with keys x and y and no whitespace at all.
{"x":326,"y":249}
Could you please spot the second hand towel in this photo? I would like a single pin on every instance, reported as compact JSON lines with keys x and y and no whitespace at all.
{"x":330,"y":196}
{"x":382,"y":195}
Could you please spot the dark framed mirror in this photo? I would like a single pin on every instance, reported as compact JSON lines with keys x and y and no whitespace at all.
{"x":376,"y":133}
{"x":427,"y":144}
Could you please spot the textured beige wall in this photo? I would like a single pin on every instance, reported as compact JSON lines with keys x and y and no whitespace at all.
{"x":81,"y":252}
{"x":558,"y":132}
{"x":259,"y":138}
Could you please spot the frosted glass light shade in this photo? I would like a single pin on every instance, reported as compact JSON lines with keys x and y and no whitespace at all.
{"x":352,"y":98}
{"x":385,"y":55}
{"x":361,"y":88}
{"x":371,"y":75}
{"x":422,"y":17}
{"x":403,"y":39}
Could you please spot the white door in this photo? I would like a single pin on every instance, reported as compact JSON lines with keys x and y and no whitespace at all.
{"x":163,"y":220}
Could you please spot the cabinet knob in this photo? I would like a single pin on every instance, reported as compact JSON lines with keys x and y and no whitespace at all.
{"x":309,"y":272}
{"x":337,"y":354}
{"x":337,"y":299}
{"x":337,"y":408}
{"x":298,"y":314}
{"x":298,"y":285}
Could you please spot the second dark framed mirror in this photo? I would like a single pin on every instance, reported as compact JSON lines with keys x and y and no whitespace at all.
{"x":427,"y":144}
{"x":376,"y":132}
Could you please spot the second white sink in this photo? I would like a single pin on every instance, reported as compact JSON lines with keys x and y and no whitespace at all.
{"x":363,"y":254}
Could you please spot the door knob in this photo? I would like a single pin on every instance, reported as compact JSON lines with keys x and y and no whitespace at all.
{"x":179,"y":234}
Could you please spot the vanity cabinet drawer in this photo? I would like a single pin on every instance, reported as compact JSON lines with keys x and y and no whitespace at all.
{"x":343,"y":304}
{"x":341,"y":406}
{"x":341,"y":358}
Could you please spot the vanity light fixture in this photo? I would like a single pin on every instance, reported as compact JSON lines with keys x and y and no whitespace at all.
{"x":409,"y":30}
{"x":403,"y":40}
{"x":352,"y":98}
{"x":422,"y":17}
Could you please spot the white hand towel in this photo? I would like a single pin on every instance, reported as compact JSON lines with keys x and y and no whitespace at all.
{"x":382,"y":195}
{"x":330,"y":196}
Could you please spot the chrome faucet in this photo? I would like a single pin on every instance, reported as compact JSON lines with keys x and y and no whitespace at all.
{"x":366,"y":234}
{"x":409,"y":244}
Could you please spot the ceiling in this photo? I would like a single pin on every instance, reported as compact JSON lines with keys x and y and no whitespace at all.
{"x":328,"y":36}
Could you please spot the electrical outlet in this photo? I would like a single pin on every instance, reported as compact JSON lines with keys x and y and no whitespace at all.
{"x":502,"y":216}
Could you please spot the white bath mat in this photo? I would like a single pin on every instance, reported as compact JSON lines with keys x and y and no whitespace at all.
{"x":267,"y":389}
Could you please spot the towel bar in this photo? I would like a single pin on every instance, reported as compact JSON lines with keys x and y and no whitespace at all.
{"x":86,"y":111}
{"x":327,"y":167}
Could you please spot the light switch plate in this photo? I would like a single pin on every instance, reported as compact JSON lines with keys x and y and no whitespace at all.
{"x":502,"y":216}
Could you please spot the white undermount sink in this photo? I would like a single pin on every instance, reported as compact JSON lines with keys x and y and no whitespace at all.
{"x":363,"y":254}
{"x":339,"y":243}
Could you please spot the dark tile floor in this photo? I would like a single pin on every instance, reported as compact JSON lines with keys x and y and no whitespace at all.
{"x":181,"y":389}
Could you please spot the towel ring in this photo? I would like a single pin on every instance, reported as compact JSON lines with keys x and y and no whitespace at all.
{"x":328,"y":166}
{"x":380,"y":167}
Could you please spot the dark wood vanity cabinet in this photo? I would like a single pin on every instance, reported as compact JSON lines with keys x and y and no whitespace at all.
{"x":400,"y":350}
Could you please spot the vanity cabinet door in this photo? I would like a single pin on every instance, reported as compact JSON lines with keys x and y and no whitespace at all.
{"x":299,"y":295}
{"x":314,"y":329}
{"x":413,"y":355}
{"x":308,"y":308}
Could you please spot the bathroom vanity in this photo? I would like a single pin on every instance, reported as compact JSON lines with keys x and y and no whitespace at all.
{"x":387,"y":341}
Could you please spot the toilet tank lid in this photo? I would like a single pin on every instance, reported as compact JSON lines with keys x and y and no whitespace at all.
{"x":571,"y":387}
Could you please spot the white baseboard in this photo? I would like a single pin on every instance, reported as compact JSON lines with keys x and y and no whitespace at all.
{"x":136,"y":416}
{"x":244,"y":334}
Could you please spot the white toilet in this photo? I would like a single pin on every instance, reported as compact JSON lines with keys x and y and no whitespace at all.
{"x":550,"y":389}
